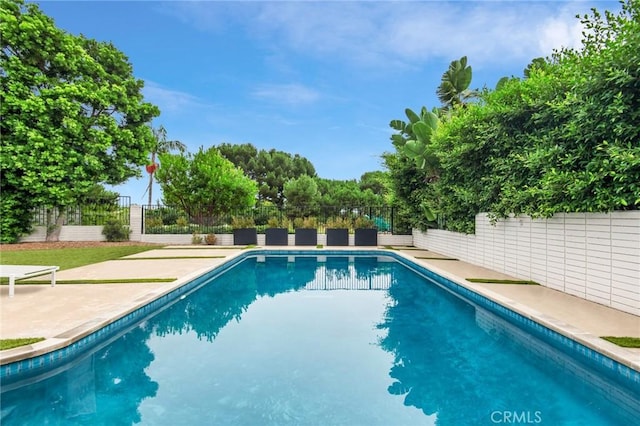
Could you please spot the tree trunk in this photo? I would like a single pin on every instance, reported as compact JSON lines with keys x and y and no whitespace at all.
{"x":150,"y":186}
{"x":53,"y":230}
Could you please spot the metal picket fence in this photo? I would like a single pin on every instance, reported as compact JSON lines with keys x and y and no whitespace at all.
{"x":89,"y":212}
{"x":161,"y":219}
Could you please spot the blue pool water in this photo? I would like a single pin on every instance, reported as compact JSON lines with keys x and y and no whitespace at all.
{"x":306,"y":340}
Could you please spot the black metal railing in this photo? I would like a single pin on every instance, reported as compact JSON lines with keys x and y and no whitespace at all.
{"x":89,"y":212}
{"x":160,"y":219}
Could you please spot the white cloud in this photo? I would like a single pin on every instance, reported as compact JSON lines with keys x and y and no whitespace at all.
{"x":395,"y":34}
{"x":556,"y":33}
{"x":411,"y":33}
{"x":289,"y":94}
{"x":203,"y":15}
{"x":321,"y":28}
{"x":171,"y":100}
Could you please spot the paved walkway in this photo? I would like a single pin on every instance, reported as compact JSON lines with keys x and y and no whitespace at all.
{"x":70,"y":311}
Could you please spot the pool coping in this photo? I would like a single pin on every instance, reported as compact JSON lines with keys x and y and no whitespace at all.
{"x":63,"y":340}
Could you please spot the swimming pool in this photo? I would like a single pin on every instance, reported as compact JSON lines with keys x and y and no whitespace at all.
{"x":298,"y":338}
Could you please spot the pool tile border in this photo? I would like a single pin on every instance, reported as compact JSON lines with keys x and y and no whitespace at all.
{"x":55,"y":353}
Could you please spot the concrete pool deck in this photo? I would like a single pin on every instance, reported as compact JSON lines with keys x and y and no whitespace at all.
{"x":68,"y":312}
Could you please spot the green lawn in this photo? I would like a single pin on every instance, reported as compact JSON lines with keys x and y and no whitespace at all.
{"x":67,"y":258}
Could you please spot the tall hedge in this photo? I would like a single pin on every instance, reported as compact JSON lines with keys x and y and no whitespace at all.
{"x":564,"y":139}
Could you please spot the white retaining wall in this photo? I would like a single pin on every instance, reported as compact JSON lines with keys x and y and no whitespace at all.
{"x":595,"y":256}
{"x":67,"y":233}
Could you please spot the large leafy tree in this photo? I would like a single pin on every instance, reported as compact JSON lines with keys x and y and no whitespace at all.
{"x":73,"y":116}
{"x":301,"y":191}
{"x":302,"y":195}
{"x":204,"y":183}
{"x":271,"y":169}
{"x":346,"y":193}
{"x":377,"y":181}
{"x":243,"y":155}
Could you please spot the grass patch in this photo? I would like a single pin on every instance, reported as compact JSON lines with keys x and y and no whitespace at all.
{"x":435,"y":258}
{"x":497,"y":281}
{"x":625,"y":342}
{"x":67,"y":258}
{"x":14,"y":343}
{"x":319,"y":246}
{"x":105,"y":281}
{"x":200,"y":247}
{"x":174,"y":257}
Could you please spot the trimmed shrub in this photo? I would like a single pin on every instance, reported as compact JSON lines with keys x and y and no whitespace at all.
{"x":114,"y":230}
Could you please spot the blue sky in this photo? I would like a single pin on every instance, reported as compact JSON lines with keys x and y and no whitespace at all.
{"x":319,"y":79}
